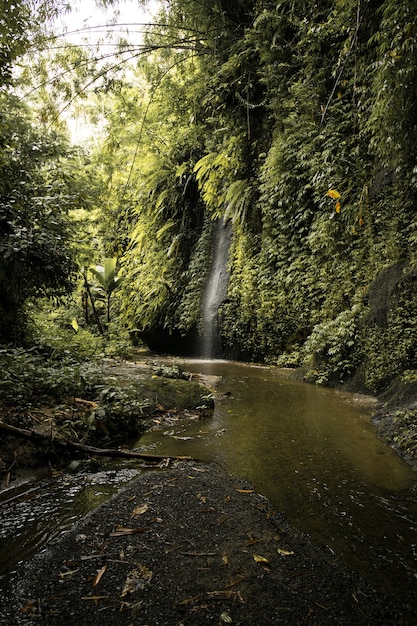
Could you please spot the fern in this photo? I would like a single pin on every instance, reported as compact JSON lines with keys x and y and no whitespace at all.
{"x":237,"y":199}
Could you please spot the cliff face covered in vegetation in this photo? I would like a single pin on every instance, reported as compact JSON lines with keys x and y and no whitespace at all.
{"x":294,"y":122}
{"x":297,"y":123}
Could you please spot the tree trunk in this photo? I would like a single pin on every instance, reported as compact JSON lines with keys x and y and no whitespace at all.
{"x":96,"y":315}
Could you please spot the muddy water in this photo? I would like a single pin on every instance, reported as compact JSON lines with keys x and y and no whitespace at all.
{"x":314,"y":453}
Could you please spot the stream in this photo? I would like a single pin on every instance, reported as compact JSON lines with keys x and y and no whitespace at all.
{"x":312,"y":451}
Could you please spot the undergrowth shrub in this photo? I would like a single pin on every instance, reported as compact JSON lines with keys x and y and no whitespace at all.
{"x":329,"y":353}
{"x":29,"y":376}
{"x":390,"y":340}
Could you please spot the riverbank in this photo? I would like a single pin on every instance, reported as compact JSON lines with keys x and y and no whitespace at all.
{"x":396,"y":420}
{"x":131,"y":397}
{"x":126,"y":399}
{"x":190,"y":545}
{"x":395,"y":414}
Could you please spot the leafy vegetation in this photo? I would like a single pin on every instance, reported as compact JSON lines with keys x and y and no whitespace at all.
{"x":86,"y":401}
{"x":36,"y":258}
{"x":29,"y":377}
{"x":296,"y":124}
{"x":398,"y":429}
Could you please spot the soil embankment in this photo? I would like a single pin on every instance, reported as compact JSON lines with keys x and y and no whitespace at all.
{"x":189,"y":545}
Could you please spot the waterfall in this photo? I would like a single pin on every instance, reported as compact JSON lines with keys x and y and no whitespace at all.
{"x":216,"y":289}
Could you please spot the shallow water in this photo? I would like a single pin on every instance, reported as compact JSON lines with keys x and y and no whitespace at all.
{"x":314,"y":453}
{"x":34,"y":513}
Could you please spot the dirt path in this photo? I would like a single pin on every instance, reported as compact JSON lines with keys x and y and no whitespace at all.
{"x":189,"y":545}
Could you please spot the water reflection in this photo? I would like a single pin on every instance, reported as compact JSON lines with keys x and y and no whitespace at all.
{"x":314,"y":453}
{"x":34,"y":514}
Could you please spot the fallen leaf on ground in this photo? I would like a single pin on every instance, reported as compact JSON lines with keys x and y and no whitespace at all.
{"x":285,"y":552}
{"x":122,"y":530}
{"x":137,"y":579}
{"x":139,"y":510}
{"x":260,"y":559}
{"x":245,"y":490}
{"x":99,"y":575}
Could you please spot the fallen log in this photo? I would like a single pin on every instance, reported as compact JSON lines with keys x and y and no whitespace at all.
{"x":37,"y":437}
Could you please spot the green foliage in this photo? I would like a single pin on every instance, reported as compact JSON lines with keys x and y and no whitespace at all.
{"x":223,"y":193}
{"x":48,"y":189}
{"x":399,"y":430}
{"x":331,"y":346}
{"x":35,"y":195}
{"x":29,"y":377}
{"x":295,"y":123}
{"x":390,"y":341}
{"x":318,"y":254}
{"x":188,"y":313}
{"x":120,"y":410}
{"x":108,"y":281}
{"x":170,"y":371}
{"x":51,"y":328}
{"x":284,"y":120}
{"x":15,"y":18}
{"x":394,"y":79}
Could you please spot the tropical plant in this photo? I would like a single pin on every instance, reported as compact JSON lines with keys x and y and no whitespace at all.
{"x":34,"y":226}
{"x":295,"y":123}
{"x":107,"y":282}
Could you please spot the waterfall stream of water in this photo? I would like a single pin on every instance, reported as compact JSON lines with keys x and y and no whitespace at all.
{"x":216,"y":290}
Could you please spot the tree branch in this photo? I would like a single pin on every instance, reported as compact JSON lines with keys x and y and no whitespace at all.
{"x":37,"y":437}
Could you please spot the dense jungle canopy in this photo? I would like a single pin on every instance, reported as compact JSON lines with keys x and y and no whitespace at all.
{"x":294,"y":121}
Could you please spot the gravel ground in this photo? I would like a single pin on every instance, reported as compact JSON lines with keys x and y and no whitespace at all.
{"x":189,"y":545}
